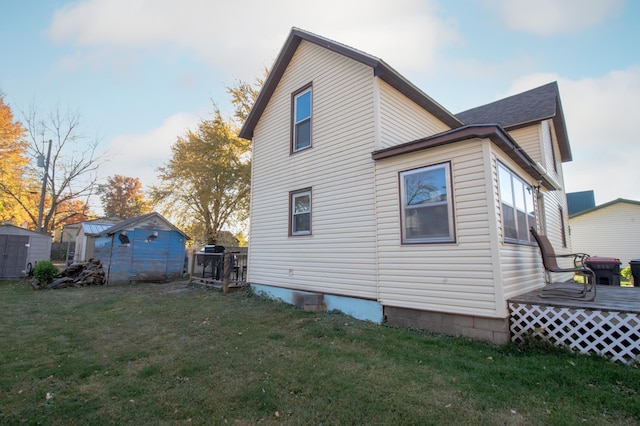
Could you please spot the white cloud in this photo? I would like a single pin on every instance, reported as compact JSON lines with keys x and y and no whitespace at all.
{"x":244,"y":36}
{"x":601,"y":115}
{"x":139,"y":155}
{"x":549,"y":17}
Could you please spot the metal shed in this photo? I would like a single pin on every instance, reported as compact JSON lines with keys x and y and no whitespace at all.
{"x":21,"y":248}
{"x":143,"y":248}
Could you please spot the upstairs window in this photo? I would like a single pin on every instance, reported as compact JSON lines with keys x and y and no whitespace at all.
{"x":300,"y":212}
{"x":427,"y":205}
{"x":518,"y":212}
{"x":301,"y":132}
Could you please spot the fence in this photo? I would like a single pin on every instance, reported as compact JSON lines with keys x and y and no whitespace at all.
{"x":62,"y":252}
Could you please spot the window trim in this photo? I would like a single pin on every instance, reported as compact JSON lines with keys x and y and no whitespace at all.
{"x":563,"y":232}
{"x":552,"y":146}
{"x":513,"y":175}
{"x":446,"y":166}
{"x":294,"y":96}
{"x":292,"y":197}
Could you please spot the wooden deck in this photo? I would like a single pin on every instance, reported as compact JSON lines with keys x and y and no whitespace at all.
{"x":608,"y":298}
{"x":218,"y":270}
{"x":609,"y":325}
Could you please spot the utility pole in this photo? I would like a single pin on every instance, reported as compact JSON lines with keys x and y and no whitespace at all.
{"x":45,"y":178}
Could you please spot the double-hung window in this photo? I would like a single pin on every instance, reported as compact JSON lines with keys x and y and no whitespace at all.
{"x":427,"y":205}
{"x":517,"y":201}
{"x":301,"y":131}
{"x":300,"y":212}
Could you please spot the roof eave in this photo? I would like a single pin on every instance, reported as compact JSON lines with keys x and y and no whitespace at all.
{"x":494,"y":132}
{"x":604,"y":205}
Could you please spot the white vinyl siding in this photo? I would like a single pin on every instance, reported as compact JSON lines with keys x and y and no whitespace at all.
{"x":529,"y":139}
{"x":455,"y":278}
{"x":401,"y":120}
{"x":612,"y":231}
{"x":339,"y":258}
{"x":537,"y":141}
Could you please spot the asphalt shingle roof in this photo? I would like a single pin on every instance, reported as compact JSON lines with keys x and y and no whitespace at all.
{"x":526,"y":107}
{"x":535,"y":105}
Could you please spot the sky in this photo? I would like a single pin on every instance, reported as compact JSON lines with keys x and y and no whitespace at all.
{"x":140,"y":73}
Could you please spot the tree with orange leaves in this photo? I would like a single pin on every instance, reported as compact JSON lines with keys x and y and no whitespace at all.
{"x":18,"y":185}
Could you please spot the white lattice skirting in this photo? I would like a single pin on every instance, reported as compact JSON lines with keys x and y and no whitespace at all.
{"x":609,"y":333}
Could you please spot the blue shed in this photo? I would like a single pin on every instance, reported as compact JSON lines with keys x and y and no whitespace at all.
{"x":143,"y":248}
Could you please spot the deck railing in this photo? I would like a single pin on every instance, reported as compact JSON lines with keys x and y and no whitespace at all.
{"x":221,"y":270}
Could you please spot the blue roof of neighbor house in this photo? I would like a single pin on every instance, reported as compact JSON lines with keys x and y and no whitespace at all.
{"x":580,"y":201}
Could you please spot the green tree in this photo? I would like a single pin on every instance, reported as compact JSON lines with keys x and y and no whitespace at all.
{"x":122,"y":197}
{"x":205,"y":185}
{"x":244,"y":95}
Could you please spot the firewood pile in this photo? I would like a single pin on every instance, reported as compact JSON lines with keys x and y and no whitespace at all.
{"x":80,"y":275}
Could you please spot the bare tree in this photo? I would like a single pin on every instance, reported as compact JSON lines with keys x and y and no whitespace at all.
{"x":71,"y":165}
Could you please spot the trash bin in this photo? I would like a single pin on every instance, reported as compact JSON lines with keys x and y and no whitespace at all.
{"x":635,"y":271}
{"x":607,"y":269}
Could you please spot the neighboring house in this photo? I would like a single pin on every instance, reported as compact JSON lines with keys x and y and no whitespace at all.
{"x":373,"y":198}
{"x":20,"y":249}
{"x":144,"y":248}
{"x":86,"y":235}
{"x":609,"y":230}
{"x":580,"y":201}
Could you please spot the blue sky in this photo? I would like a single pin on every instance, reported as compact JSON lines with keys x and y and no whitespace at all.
{"x":142,"y":72}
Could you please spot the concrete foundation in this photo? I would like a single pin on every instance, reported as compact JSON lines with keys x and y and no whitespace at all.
{"x":493,"y":330}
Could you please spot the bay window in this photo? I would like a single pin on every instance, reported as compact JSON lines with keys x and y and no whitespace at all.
{"x":517,"y":203}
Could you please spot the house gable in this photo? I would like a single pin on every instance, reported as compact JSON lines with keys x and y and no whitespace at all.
{"x":379,"y":67}
{"x":525,"y":109}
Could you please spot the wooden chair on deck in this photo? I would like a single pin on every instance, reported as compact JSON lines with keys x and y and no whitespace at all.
{"x":550,"y":262}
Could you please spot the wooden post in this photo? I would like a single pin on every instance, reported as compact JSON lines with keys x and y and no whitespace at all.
{"x":192,"y":263}
{"x":226,"y":272}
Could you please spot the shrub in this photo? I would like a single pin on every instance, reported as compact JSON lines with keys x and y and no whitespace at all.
{"x":45,"y":271}
{"x":626,"y":272}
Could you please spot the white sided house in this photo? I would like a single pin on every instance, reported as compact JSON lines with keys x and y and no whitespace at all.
{"x":371,"y":198}
{"x":608,"y":230}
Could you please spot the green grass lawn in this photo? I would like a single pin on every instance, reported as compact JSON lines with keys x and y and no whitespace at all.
{"x":171,"y":354}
